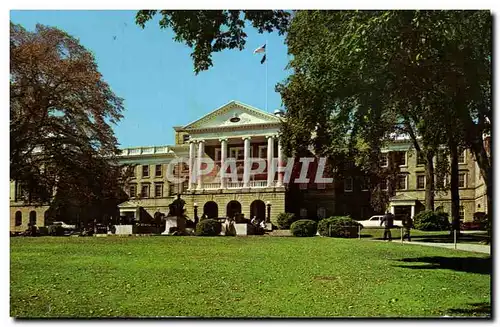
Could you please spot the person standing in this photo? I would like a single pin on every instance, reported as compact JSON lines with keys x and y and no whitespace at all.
{"x":408,"y":225}
{"x":388,"y":222}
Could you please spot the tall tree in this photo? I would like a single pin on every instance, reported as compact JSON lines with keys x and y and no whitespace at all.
{"x":416,"y":67}
{"x":209,"y":31}
{"x":61,"y":140}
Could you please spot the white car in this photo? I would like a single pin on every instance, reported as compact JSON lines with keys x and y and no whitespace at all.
{"x":63,"y":225}
{"x":374,"y":221}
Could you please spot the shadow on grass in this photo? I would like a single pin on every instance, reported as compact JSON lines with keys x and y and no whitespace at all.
{"x":475,"y":309}
{"x":468,"y":264}
{"x":447,"y":238}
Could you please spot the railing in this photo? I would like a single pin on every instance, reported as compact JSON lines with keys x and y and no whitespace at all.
{"x":257,"y":184}
{"x":234,"y":184}
{"x":211,"y":186}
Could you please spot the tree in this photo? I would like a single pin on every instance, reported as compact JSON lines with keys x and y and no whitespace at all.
{"x":62,"y":146}
{"x":209,"y":31}
{"x":390,"y":71}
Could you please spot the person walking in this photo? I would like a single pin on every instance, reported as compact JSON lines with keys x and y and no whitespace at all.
{"x":408,"y":225}
{"x":388,"y":222}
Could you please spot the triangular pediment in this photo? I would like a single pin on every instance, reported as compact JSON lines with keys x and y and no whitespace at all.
{"x":402,"y":197}
{"x":233,"y":114}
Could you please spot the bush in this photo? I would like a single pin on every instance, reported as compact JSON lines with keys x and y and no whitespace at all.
{"x":341,"y":226}
{"x":431,"y":221}
{"x":304,"y":228}
{"x":208,"y":227}
{"x":285,"y":220}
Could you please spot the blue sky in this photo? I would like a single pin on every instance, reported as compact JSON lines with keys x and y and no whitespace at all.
{"x":154,"y":74}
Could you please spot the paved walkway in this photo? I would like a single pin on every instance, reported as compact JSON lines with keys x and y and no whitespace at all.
{"x":460,"y":246}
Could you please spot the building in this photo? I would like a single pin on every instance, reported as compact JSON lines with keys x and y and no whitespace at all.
{"x":237,"y":135}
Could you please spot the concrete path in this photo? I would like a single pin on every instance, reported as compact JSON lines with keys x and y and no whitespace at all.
{"x":460,"y":246}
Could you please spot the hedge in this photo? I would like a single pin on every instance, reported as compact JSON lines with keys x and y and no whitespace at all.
{"x":208,"y":227}
{"x":432,"y":221}
{"x":285,"y":220}
{"x":304,"y":228}
{"x":341,"y":226}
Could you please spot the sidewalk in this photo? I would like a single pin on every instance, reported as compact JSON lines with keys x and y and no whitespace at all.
{"x":460,"y":246}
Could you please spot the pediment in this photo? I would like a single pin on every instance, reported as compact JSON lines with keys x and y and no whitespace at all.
{"x":402,"y":197}
{"x":233,"y":114}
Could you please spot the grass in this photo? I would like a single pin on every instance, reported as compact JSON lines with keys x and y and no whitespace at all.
{"x":243,"y":277}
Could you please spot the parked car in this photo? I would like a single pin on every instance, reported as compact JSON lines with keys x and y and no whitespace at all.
{"x":64,"y":225}
{"x":374,"y":221}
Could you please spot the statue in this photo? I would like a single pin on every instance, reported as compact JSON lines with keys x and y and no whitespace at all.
{"x":175,"y":222}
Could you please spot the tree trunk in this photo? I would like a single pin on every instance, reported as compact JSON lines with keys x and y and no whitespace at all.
{"x":429,"y":181}
{"x":484,"y":164}
{"x":455,"y":195}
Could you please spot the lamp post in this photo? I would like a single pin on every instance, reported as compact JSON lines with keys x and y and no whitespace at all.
{"x":268,"y":220}
{"x":195,"y":205}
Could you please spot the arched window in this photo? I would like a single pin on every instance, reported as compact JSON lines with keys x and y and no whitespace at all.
{"x":19,"y":218}
{"x":32,"y":218}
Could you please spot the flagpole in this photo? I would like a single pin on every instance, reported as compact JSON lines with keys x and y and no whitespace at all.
{"x":267,"y":59}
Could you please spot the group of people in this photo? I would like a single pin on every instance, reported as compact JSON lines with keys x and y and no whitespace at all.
{"x":388,"y":222}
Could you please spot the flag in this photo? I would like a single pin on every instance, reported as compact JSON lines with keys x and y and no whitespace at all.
{"x":263,"y":59}
{"x":261,"y":49}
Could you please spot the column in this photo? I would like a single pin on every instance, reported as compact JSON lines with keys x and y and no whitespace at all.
{"x":223,"y":157}
{"x":393,"y":209}
{"x":191,"y":165}
{"x":280,"y":163}
{"x":201,"y":152}
{"x":412,"y":211}
{"x":270,"y":166}
{"x":246,"y":162}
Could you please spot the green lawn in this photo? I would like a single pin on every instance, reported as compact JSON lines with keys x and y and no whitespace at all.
{"x":243,"y":277}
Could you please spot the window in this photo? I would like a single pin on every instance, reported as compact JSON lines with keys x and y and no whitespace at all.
{"x":321,"y":186}
{"x":32,"y":218}
{"x":158,"y":171}
{"x":400,"y":158}
{"x":365,"y":184}
{"x":420,"y":182}
{"x":185,"y":138}
{"x":321,"y":212}
{"x":263,"y":151}
{"x":132,"y":191}
{"x":18,"y":218}
{"x":440,"y":209}
{"x":303,"y":213}
{"x":303,"y":186}
{"x":420,"y":159}
{"x":383,"y":185}
{"x":145,"y":191}
{"x":462,"y":158}
{"x":158,"y":190}
{"x":238,"y":153}
{"x":384,"y":159}
{"x":134,"y":168}
{"x":461,"y":213}
{"x":19,"y":191}
{"x":145,"y":171}
{"x":462,"y":180}
{"x":348,"y":184}
{"x":218,"y":154}
{"x":402,"y":182}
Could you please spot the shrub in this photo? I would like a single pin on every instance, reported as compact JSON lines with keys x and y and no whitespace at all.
{"x":341,"y":226}
{"x":208,"y":227}
{"x":285,"y":220}
{"x":304,"y":228}
{"x":431,"y":221}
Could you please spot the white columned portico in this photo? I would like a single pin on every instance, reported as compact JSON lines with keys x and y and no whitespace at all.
{"x":201,"y":151}
{"x":270,"y":166}
{"x":191,"y":164}
{"x":280,"y":163}
{"x":223,"y":157}
{"x":246,"y":162}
